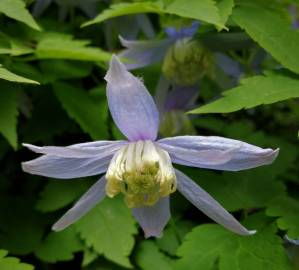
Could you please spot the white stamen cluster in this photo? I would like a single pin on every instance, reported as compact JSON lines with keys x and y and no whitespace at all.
{"x":142,"y":172}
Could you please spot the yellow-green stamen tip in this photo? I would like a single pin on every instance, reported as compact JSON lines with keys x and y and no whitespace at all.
{"x":142,"y":172}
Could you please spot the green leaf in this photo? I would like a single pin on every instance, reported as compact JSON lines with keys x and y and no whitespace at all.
{"x":149,"y":257}
{"x":225,"y":8}
{"x":286,"y":210}
{"x":204,"y":10}
{"x":54,"y":70}
{"x":58,"y":194}
{"x":12,"y":263}
{"x":60,"y":46}
{"x":16,"y":9}
{"x":43,"y":126}
{"x":210,"y":245}
{"x":13,"y":46}
{"x":108,"y":229}
{"x":81,"y":107}
{"x":22,"y":231}
{"x":254,"y":91}
{"x":59,"y":246}
{"x":8,"y":113}
{"x":9,"y":76}
{"x":173,"y":235}
{"x":125,"y":9}
{"x":271,"y":32}
{"x":89,"y":256}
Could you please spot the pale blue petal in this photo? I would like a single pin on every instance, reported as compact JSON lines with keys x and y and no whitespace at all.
{"x":204,"y":202}
{"x":153,"y":219}
{"x":67,"y":168}
{"x":216,"y":153}
{"x":144,"y":53}
{"x":83,"y":150}
{"x":92,"y":197}
{"x":131,"y":105}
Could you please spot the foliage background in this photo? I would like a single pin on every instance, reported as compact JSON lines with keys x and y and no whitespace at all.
{"x":52,"y":92}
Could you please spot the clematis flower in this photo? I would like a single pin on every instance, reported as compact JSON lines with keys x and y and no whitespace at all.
{"x":179,"y":44}
{"x":141,"y":168}
{"x":185,"y":62}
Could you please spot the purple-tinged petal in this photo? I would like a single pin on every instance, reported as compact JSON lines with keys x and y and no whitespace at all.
{"x":205,"y":203}
{"x":161,"y":92}
{"x":92,"y":197}
{"x":144,"y":53}
{"x":131,"y":105}
{"x":67,"y":168}
{"x":216,"y":153}
{"x":85,"y":150}
{"x":183,"y":32}
{"x":228,"y":65}
{"x":153,"y":219}
{"x":181,"y":97}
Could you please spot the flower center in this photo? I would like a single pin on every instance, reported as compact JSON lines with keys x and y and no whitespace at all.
{"x":142,"y":172}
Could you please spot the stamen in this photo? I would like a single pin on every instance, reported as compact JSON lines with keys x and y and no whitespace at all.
{"x":142,"y":172}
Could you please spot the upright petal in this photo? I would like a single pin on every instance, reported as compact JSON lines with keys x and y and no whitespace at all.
{"x":82,"y":150}
{"x":153,"y":219}
{"x":144,"y":53}
{"x":204,"y":202}
{"x":216,"y":153}
{"x":92,"y":197}
{"x":183,"y":32}
{"x":131,"y":106}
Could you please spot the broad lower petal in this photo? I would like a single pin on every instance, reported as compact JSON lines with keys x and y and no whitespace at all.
{"x":204,"y":202}
{"x":92,"y":197}
{"x":143,"y":53}
{"x":82,"y":150}
{"x":67,"y":168}
{"x":216,"y":153}
{"x":131,"y":106}
{"x":153,"y":219}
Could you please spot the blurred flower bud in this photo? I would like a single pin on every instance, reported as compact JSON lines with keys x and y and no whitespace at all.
{"x":186,"y":62}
